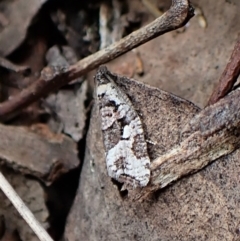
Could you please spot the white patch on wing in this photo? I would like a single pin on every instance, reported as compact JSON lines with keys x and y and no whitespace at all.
{"x":127,"y":160}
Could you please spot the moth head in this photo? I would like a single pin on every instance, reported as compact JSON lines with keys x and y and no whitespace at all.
{"x":101,"y":77}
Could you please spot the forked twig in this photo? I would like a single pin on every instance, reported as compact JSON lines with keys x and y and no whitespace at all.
{"x":52,"y":79}
{"x":23,"y":210}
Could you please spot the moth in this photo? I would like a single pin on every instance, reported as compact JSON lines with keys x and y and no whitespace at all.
{"x":127,"y":158}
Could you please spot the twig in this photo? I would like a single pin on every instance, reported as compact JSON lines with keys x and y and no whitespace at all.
{"x":51,"y":79}
{"x":23,"y":210}
{"x":228,"y":77}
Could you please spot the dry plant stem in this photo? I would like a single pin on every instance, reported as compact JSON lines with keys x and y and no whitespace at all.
{"x":178,"y":15}
{"x":228,"y":77}
{"x":211,"y":134}
{"x":23,"y":210}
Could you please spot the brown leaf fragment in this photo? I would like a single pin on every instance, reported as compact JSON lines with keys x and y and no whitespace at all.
{"x":37,"y":151}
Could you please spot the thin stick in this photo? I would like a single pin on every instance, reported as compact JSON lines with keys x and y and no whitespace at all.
{"x":228,"y":77}
{"x":52,"y":79}
{"x":23,"y":210}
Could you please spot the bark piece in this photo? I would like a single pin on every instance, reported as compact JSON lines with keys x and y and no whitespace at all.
{"x":38,"y":152}
{"x":69,"y":108}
